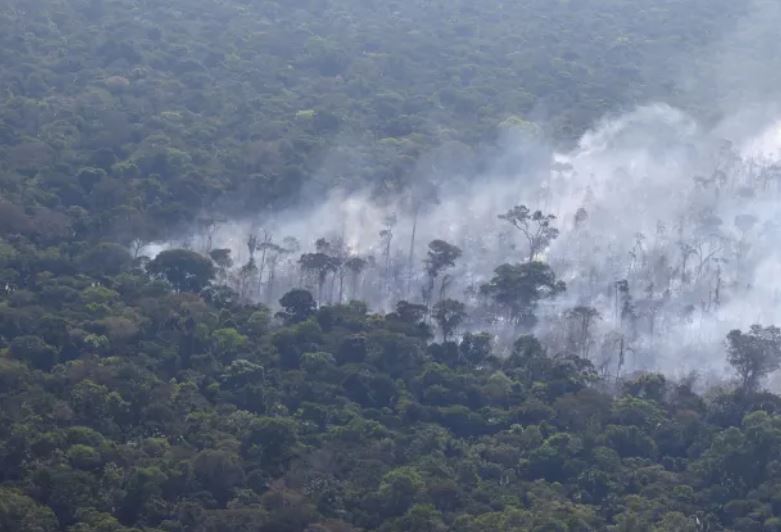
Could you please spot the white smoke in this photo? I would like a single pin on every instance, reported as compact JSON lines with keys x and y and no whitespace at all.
{"x":655,"y":186}
{"x":684,"y":211}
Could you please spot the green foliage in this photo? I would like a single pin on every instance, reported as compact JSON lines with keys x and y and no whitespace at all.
{"x":449,"y":314}
{"x":399,"y":488}
{"x":34,"y":350}
{"x":228,"y":341}
{"x":184,"y":269}
{"x":754,"y":354}
{"x":518,"y":287}
{"x":105,"y":259}
{"x":142,"y":125}
{"x":218,"y":472}
{"x":139,"y":394}
{"x":19,"y":512}
{"x":536,"y":227}
{"x":298,"y":305}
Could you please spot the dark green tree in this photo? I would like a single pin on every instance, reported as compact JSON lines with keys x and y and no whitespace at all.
{"x":35,"y":351}
{"x":754,"y":354}
{"x":105,"y":259}
{"x":475,"y":348}
{"x":355,"y":265}
{"x":440,"y":257}
{"x":519,"y":287}
{"x":186,"y":270}
{"x":298,"y":306}
{"x":449,"y":314}
{"x":536,"y":228}
{"x":321,"y":265}
{"x":19,"y":512}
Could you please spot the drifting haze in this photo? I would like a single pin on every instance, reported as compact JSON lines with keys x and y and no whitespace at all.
{"x":688,"y":218}
{"x":686,"y":214}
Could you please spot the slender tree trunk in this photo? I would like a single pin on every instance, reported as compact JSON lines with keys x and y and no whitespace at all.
{"x":261,"y":268}
{"x":620,"y":357}
{"x":331,"y":289}
{"x":386,"y":274}
{"x":270,"y":285}
{"x":429,"y":295}
{"x":411,"y":258}
{"x":444,"y":286}
{"x":717,"y":296}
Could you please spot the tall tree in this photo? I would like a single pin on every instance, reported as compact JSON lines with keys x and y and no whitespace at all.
{"x":386,"y":239}
{"x":274,"y":252}
{"x":298,"y":305}
{"x":222,"y":258}
{"x":321,"y":265}
{"x":356,"y":266}
{"x":449,"y":314}
{"x":519,"y":287}
{"x":184,"y":269}
{"x":440,"y":257}
{"x":754,"y":354}
{"x":581,"y":337}
{"x":264,"y":245}
{"x":535,"y":226}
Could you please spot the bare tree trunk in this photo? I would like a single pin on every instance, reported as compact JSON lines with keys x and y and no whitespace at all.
{"x":355,"y":290}
{"x":331,"y":289}
{"x":270,"y":285}
{"x":261,"y":268}
{"x":386,"y":270}
{"x":717,"y":295}
{"x":446,"y":279}
{"x":620,"y":358}
{"x":411,"y":259}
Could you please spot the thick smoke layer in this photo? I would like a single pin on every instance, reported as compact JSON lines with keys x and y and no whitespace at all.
{"x":668,"y":227}
{"x":668,"y":230}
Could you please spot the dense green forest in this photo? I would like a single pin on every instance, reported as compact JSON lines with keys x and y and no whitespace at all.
{"x":144,"y":395}
{"x":131,"y":115}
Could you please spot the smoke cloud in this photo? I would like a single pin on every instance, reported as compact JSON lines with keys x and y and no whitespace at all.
{"x":669,"y":226}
